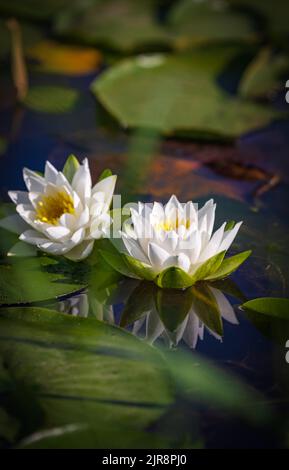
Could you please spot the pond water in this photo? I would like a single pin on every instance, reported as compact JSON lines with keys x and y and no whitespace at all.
{"x":243,"y":345}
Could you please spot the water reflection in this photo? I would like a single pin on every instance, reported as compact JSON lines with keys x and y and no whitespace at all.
{"x":158,"y":314}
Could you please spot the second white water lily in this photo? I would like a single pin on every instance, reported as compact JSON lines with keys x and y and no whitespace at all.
{"x":175,"y":245}
{"x":63,"y":213}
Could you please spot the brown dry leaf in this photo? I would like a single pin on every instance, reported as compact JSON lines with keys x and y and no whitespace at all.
{"x":65,"y":59}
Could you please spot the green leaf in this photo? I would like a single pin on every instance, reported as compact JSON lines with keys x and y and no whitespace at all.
{"x":230,"y":225}
{"x":99,"y":386}
{"x":117,"y":262}
{"x":174,"y":278}
{"x":272,"y":306}
{"x":201,"y":22}
{"x":206,"y":307}
{"x":105,"y":174}
{"x":141,"y":270}
{"x":70,"y":167}
{"x":229,"y":265}
{"x":209,"y":267}
{"x":51,"y":99}
{"x":179,"y":94}
{"x":28,"y":280}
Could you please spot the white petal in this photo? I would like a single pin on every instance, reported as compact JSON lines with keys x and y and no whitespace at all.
{"x":19,"y":197}
{"x":80,"y":251}
{"x":81,"y":182}
{"x":229,"y":237}
{"x":58,"y":233}
{"x":173,"y":203}
{"x":33,"y":237}
{"x":106,"y":186}
{"x":157,"y":256}
{"x":184,"y":262}
{"x":191,"y":333}
{"x":26,"y":212}
{"x":33,"y":181}
{"x":134,"y":249}
{"x":213,"y":246}
{"x":50,"y":173}
{"x":78,"y":236}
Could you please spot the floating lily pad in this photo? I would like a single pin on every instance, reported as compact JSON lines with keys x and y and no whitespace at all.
{"x":99,"y":386}
{"x":123,"y":25}
{"x":28,"y":281}
{"x":202,"y":21}
{"x":272,"y":306}
{"x":51,"y":99}
{"x":179,"y":95}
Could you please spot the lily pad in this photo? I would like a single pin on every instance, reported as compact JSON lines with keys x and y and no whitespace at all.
{"x":51,"y":99}
{"x":97,"y":385}
{"x":123,"y":25}
{"x":205,"y":21}
{"x":272,"y":306}
{"x":179,"y":94}
{"x":27,"y":281}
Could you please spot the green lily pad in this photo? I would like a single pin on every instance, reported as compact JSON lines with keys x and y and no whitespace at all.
{"x":272,"y":306}
{"x":197,"y":22}
{"x":96,"y":385}
{"x":179,"y":94}
{"x":27,"y":281}
{"x":51,"y":99}
{"x":123,"y":25}
{"x":264,"y":74}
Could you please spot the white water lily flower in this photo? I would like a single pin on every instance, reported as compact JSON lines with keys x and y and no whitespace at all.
{"x":191,"y":329}
{"x":180,"y":236}
{"x":65,"y":217}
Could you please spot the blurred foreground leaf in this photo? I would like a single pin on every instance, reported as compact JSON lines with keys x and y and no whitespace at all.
{"x":32,"y":9}
{"x":96,"y":386}
{"x":179,"y":95}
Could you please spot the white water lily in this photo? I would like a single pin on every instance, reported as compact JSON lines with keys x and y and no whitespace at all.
{"x":191,"y":329}
{"x":180,"y":236}
{"x":65,"y":214}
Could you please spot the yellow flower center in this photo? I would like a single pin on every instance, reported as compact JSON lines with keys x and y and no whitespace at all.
{"x":51,"y":208}
{"x":173,"y":224}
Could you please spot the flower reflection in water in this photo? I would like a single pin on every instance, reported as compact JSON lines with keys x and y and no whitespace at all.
{"x":158,"y":314}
